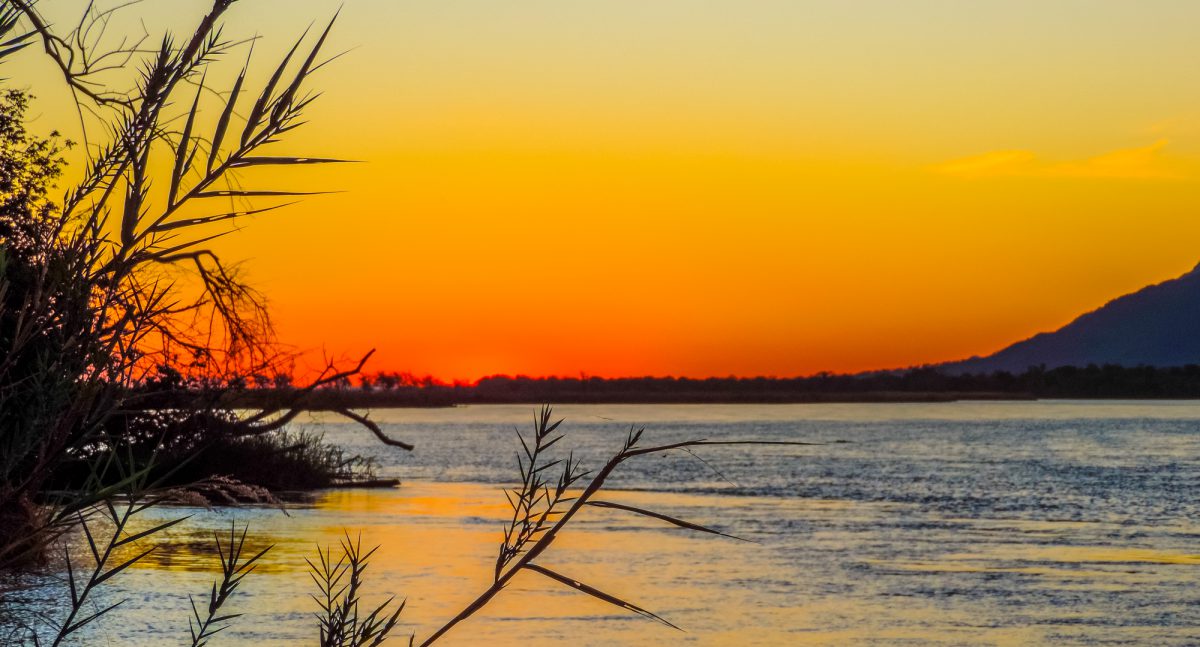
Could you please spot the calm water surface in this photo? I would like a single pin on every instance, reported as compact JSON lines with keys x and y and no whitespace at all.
{"x":917,"y":524}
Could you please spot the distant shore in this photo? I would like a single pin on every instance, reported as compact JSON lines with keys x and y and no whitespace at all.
{"x":913,"y":385}
{"x":355,"y":399}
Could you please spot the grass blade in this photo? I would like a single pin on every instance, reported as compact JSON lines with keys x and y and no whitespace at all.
{"x":134,"y":537}
{"x":254,"y":194}
{"x":667,"y":518}
{"x":181,"y":156}
{"x":117,"y":569}
{"x":205,"y":220}
{"x":598,"y":594}
{"x":264,"y":160}
{"x":223,"y":122}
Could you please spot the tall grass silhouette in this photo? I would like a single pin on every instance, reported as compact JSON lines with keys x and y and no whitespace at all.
{"x":92,"y":304}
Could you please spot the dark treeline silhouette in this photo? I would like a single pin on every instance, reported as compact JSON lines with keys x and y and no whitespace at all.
{"x":914,"y":385}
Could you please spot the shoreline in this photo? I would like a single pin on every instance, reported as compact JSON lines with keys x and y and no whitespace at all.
{"x":335,"y":400}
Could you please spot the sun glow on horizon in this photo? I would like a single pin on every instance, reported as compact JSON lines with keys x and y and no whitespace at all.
{"x":716,"y":188}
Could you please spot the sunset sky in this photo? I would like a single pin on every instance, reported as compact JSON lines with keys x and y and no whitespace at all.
{"x":692,"y":187}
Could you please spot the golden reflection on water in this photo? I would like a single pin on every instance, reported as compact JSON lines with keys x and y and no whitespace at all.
{"x":438,"y":544}
{"x":437,"y":548}
{"x":976,"y":524}
{"x":1071,"y":555}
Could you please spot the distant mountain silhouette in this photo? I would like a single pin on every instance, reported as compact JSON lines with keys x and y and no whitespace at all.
{"x":1158,"y":325}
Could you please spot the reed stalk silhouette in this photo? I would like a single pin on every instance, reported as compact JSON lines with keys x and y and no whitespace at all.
{"x":93,"y":306}
{"x":543,"y":507}
{"x":551,"y":494}
{"x":234,"y":569}
{"x":341,"y":623}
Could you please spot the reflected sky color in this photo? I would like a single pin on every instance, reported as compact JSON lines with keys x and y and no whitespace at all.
{"x":1063,"y":523}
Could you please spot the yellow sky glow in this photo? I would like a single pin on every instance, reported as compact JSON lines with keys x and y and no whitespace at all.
{"x":716,"y":187}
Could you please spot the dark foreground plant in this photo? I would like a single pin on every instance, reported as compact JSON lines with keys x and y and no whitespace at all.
{"x":342,"y":623}
{"x":203,"y":626}
{"x":104,"y":522}
{"x":551,"y":494}
{"x":544,"y":505}
{"x":113,"y":293}
{"x":547,"y":499}
{"x":112,"y":547}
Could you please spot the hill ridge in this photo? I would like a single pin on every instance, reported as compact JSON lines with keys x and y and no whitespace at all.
{"x":1157,"y":325}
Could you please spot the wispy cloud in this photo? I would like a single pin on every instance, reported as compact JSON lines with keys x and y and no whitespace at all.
{"x":1144,"y":162}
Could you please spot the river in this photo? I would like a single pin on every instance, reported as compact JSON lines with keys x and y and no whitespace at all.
{"x":968,"y":523}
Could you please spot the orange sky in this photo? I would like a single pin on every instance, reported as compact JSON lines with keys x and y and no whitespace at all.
{"x":688,"y":187}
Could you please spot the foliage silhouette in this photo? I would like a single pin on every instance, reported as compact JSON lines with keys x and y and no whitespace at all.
{"x":112,"y":294}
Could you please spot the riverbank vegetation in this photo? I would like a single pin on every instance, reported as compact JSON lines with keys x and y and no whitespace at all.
{"x":112,"y":292}
{"x":914,"y":385}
